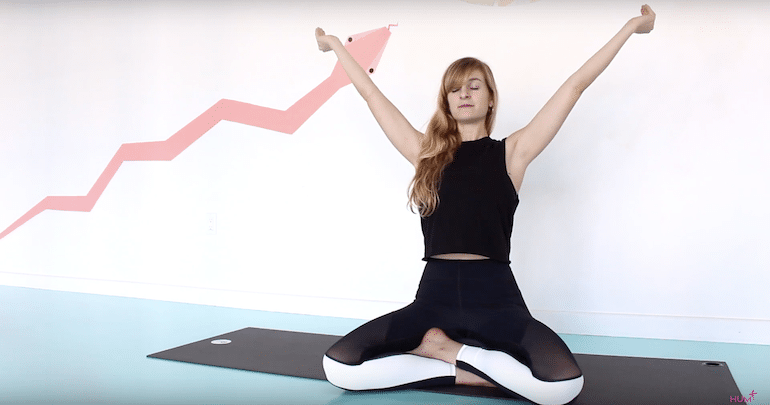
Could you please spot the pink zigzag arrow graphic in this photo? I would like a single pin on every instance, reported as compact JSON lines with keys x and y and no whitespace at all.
{"x":366,"y":47}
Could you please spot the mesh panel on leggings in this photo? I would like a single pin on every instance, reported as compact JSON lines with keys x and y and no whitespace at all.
{"x":372,"y":339}
{"x":551,"y":359}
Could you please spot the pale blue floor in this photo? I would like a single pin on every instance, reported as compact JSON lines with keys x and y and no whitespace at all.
{"x":63,"y":348}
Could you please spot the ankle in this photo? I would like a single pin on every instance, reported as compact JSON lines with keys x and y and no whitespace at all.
{"x":463,"y":377}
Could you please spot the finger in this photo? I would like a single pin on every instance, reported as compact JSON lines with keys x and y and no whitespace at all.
{"x":647,"y":10}
{"x":319,"y":32}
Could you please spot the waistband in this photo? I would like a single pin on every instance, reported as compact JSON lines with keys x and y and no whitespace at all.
{"x":468,"y":283}
{"x":483,"y":268}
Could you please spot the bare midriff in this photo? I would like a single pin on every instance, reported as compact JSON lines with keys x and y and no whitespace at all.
{"x":459,"y":256}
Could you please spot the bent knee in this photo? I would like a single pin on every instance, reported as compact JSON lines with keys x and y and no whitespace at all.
{"x":342,"y":353}
{"x":337,"y":373}
{"x":348,"y":376}
{"x":562,"y":373}
{"x":557,"y":391}
{"x":547,"y":392}
{"x":561,"y":392}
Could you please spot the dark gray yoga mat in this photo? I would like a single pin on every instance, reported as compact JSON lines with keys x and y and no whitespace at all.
{"x":608,"y":379}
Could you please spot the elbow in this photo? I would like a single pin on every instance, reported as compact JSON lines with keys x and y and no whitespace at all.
{"x":578,"y":88}
{"x":368,"y":91}
{"x":575,"y":91}
{"x":367,"y":95}
{"x":577,"y":85}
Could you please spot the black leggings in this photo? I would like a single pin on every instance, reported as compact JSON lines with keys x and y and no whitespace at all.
{"x":475,"y":302}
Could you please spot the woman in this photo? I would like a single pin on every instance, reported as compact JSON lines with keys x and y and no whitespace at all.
{"x":468,"y":323}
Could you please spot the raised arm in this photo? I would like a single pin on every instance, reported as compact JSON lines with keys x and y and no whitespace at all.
{"x":525,"y":144}
{"x":398,"y":130}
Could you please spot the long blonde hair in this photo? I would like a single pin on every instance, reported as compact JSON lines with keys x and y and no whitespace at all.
{"x":441,"y":140}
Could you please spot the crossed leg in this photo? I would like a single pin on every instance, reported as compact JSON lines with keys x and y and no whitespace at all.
{"x":371,"y":358}
{"x":486,"y":366}
{"x":437,"y":345}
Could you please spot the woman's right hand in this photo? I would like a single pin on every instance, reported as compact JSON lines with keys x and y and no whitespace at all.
{"x":325,"y":41}
{"x":398,"y":130}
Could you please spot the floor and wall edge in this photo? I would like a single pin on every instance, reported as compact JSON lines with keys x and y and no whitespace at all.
{"x":648,"y":326}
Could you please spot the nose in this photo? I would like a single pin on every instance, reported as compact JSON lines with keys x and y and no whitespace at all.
{"x":464,"y":93}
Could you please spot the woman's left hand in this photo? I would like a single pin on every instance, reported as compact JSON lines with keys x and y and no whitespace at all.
{"x":644,"y":23}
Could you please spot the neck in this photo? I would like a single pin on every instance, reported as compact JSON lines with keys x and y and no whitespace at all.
{"x":472,"y":131}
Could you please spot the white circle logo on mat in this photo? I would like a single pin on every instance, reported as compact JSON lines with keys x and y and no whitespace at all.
{"x":221,"y":342}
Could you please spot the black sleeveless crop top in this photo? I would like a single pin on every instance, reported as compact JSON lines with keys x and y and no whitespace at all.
{"x":476,"y":204}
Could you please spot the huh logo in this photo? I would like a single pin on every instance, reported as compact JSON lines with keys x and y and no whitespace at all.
{"x":744,"y":399}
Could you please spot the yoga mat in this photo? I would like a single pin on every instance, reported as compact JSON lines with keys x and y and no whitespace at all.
{"x":609,"y":380}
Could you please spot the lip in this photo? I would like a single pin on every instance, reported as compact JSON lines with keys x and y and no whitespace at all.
{"x":465,"y":105}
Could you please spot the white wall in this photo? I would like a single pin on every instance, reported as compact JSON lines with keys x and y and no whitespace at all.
{"x":645,"y":217}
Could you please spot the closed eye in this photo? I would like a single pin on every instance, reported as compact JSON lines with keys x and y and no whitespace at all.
{"x":471,"y":88}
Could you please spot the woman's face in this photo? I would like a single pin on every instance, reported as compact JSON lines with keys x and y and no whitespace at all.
{"x":470,"y":100}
